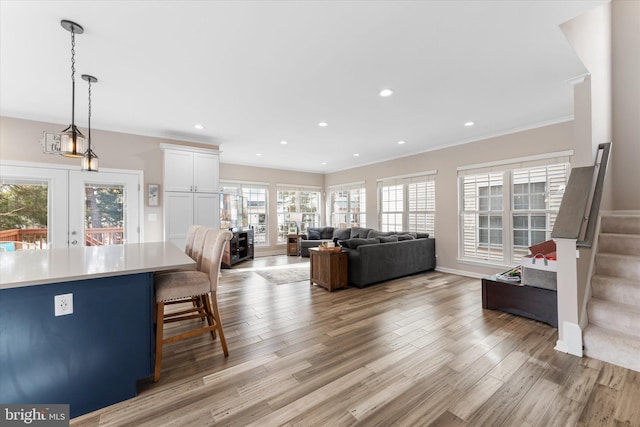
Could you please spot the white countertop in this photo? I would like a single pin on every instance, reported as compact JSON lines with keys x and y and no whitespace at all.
{"x":38,"y":267}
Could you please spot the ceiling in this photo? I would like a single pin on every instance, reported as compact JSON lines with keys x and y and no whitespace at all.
{"x":255,"y":73}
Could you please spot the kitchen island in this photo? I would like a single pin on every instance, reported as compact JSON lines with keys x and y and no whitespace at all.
{"x":92,"y":353}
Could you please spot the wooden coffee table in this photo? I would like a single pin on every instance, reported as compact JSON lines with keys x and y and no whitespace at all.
{"x":328,"y":269}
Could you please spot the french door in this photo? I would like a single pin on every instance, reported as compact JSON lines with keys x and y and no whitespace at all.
{"x":57,"y":207}
{"x":103,"y":208}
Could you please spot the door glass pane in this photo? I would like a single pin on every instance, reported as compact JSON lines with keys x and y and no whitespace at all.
{"x":104,"y":214}
{"x":24,"y":211}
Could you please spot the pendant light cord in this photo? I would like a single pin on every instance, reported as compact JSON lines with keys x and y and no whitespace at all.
{"x":73,"y":87}
{"x":89,"y":139}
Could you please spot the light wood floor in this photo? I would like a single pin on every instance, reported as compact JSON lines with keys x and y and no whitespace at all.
{"x":416,"y":351}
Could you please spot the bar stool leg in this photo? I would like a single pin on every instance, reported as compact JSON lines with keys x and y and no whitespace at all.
{"x":159,"y":337}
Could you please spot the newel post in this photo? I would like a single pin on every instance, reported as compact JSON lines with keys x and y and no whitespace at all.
{"x":569,"y":331}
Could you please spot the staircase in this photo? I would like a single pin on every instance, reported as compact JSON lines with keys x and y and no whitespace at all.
{"x":613,"y":332}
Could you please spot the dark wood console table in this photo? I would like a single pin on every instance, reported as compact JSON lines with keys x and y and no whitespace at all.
{"x":239,"y":248}
{"x":526,"y":301}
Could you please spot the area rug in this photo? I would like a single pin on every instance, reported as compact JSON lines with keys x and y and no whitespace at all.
{"x":280,"y":275}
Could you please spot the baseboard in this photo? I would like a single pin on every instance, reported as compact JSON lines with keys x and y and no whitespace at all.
{"x":571,"y":341}
{"x":460,"y":272}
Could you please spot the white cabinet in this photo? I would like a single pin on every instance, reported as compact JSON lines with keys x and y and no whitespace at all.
{"x":191,"y":171}
{"x":185,"y":209}
{"x":191,"y":196}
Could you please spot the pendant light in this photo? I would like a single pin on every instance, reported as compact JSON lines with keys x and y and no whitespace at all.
{"x":71,"y":139}
{"x":90,"y":160}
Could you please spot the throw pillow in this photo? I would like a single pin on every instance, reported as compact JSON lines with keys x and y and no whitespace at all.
{"x":388,"y":239}
{"x":326,"y":233}
{"x":313,"y":235}
{"x":360,"y":232}
{"x":423,"y":235}
{"x":342,"y":233}
{"x":356,"y":242}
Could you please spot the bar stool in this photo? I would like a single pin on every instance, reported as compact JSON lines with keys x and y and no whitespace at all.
{"x":197,"y":287}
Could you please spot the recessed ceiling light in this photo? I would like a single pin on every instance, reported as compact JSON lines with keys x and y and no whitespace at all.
{"x":402,"y":142}
{"x":467,"y":124}
{"x":283,"y":142}
{"x":258,"y":154}
{"x":323,"y":163}
{"x":386,"y":92}
{"x":356,"y":155}
{"x":198,"y":126}
{"x":323,"y":124}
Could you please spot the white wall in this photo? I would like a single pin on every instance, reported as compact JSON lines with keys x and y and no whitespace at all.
{"x":626,"y":104}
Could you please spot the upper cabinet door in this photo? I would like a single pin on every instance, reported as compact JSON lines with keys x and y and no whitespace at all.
{"x":205,"y":173}
{"x":178,"y":170}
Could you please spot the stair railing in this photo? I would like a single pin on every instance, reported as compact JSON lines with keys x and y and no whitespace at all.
{"x":575,"y":228}
{"x":578,"y":214}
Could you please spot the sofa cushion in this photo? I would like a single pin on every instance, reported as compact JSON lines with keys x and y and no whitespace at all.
{"x":388,"y":239}
{"x":342,"y":233}
{"x":326,"y":233}
{"x":375,"y":233}
{"x":313,"y":234}
{"x":360,"y":232}
{"x":422,"y":235}
{"x":355,"y":242}
{"x":405,"y":237}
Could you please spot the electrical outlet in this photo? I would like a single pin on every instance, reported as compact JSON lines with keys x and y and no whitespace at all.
{"x":63,"y":304}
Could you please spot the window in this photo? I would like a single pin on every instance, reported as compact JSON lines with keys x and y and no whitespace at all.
{"x":503,"y":212}
{"x":348,"y":205}
{"x":422,"y":206}
{"x":482,"y":216}
{"x":537,"y":194}
{"x":408,"y":203}
{"x":254,"y":200}
{"x":297,"y":200}
{"x":24,"y":214}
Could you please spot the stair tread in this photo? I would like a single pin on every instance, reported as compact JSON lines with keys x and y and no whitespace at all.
{"x":619,"y":265}
{"x":617,"y":305}
{"x":626,"y":244}
{"x":612,"y":346}
{"x":612,"y":332}
{"x":614,"y":315}
{"x":620,"y":224}
{"x":614,"y":288}
{"x":621,"y":279}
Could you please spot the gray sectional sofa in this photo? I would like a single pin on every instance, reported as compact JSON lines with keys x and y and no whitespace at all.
{"x":375,"y":256}
{"x":316,"y":235}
